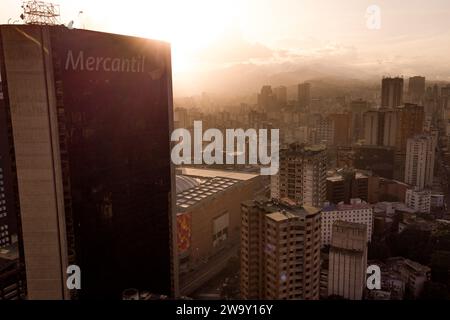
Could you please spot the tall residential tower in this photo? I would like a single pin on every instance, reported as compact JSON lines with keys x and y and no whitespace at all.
{"x":280,"y":251}
{"x":391,"y":92}
{"x":302,"y":175}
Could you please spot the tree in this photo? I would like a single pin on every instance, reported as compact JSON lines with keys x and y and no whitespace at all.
{"x":440,"y":267}
{"x":434,"y":291}
{"x":413,"y":243}
{"x":378,"y":250}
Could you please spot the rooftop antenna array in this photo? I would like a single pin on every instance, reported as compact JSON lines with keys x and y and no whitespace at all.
{"x":40,"y":13}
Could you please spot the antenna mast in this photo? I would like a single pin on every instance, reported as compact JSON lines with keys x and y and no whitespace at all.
{"x":40,"y":13}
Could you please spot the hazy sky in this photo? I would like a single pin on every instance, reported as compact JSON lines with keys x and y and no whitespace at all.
{"x":205,"y":34}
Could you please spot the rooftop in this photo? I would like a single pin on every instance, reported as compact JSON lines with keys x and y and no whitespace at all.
{"x":10,"y":252}
{"x":302,"y":149}
{"x":184,"y":183}
{"x":392,"y":206}
{"x":346,"y":207}
{"x":208,"y":173}
{"x":413,"y":266}
{"x":292,"y":213}
{"x":280,"y":216}
{"x":195,"y":185}
{"x":203,"y":191}
{"x":339,"y":176}
{"x":286,"y":210}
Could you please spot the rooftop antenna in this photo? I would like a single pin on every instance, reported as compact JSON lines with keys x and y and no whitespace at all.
{"x":40,"y":13}
{"x":81,"y":13}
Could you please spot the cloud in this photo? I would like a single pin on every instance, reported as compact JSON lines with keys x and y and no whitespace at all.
{"x":232,"y":48}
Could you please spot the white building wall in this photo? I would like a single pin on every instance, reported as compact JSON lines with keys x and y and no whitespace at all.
{"x":420,"y":201}
{"x":419,"y":164}
{"x":364,"y":216}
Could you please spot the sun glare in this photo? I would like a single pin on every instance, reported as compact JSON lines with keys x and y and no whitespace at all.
{"x":188,"y":25}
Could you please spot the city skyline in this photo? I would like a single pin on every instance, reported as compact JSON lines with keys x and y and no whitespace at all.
{"x":212,"y":38}
{"x":225,"y":150}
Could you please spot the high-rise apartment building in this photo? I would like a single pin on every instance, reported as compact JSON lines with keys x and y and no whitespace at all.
{"x":410,"y":123}
{"x":347,"y":260}
{"x":90,"y":115}
{"x":419,"y":164}
{"x":302,"y":175}
{"x":380,"y":127}
{"x":345,"y":185}
{"x":389,"y":127}
{"x":266,"y":99}
{"x":281,"y":95}
{"x":280,"y":251}
{"x":325,"y":131}
{"x":371,"y":128}
{"x":357,"y":109}
{"x":342,"y":128}
{"x":392,"y":127}
{"x":391,"y":92}
{"x":304,"y":95}
{"x":416,"y":89}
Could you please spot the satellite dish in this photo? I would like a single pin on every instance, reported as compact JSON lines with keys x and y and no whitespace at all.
{"x":70,"y":25}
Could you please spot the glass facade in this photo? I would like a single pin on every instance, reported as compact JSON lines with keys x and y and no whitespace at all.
{"x":113,"y":111}
{"x":100,"y":106}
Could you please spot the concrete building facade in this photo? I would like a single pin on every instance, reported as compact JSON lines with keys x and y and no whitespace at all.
{"x":356,"y":212}
{"x":302,"y":175}
{"x":348,"y":260}
{"x":209,"y":221}
{"x":280,"y":251}
{"x":419,"y":200}
{"x":419,"y":164}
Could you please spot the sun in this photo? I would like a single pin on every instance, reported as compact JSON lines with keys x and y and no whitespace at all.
{"x":188,"y":25}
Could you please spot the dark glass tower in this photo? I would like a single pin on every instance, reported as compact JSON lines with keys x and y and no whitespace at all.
{"x":91,"y":115}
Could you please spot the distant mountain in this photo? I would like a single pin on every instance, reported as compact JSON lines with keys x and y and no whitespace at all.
{"x":249,"y":77}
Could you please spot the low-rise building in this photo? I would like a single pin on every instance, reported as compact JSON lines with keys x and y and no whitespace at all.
{"x":437,"y":199}
{"x":209,"y":220}
{"x":382,"y":189}
{"x":419,"y":200}
{"x":412,"y":273}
